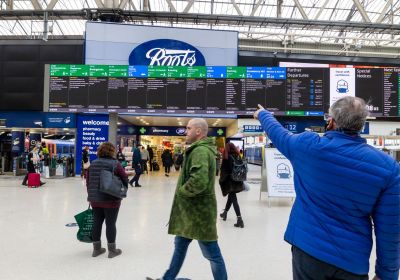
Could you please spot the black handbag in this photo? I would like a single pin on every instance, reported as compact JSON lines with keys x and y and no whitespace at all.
{"x":111,"y":184}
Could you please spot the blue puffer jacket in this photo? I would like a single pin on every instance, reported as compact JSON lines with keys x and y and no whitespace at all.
{"x":342,"y":185}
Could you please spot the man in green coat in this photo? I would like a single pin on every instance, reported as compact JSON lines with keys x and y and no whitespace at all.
{"x":194,"y":210}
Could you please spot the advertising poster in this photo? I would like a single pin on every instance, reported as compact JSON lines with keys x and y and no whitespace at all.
{"x":342,"y":83}
{"x":18,"y":141}
{"x":279,"y":174}
{"x":107,"y":43}
{"x":91,"y":132}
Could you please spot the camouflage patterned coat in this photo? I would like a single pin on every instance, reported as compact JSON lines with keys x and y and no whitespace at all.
{"x":194,"y":210}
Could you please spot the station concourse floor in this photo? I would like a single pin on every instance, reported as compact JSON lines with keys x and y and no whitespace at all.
{"x":36,"y":244}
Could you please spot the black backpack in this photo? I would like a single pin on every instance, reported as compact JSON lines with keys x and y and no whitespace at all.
{"x":239,"y":169}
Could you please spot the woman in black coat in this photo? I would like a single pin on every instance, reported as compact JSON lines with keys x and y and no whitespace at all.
{"x":228,"y":186}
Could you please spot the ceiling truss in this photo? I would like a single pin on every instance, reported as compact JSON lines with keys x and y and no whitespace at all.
{"x":351,"y":24}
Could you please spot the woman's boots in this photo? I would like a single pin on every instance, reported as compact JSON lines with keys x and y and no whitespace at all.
{"x":223,"y":215}
{"x":97,"y":250}
{"x":113,"y":251}
{"x":239,"y":222}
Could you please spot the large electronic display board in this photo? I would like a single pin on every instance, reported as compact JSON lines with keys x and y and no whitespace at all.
{"x":226,"y":90}
{"x":379,"y":87}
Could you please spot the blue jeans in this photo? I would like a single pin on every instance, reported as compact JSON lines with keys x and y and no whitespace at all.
{"x":210,"y":251}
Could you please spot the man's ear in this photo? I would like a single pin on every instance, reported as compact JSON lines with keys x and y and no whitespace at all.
{"x":331,"y":124}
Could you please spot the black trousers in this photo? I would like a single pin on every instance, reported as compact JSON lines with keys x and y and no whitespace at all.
{"x":232,"y":199}
{"x":167,"y":169}
{"x":108,"y":214}
{"x":143,"y":163}
{"x":138,"y":172}
{"x":306,"y":267}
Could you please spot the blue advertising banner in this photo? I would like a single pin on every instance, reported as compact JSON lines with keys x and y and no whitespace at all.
{"x":18,"y":141}
{"x":91,"y":132}
{"x":166,"y":52}
{"x":59,"y":120}
{"x":38,"y":119}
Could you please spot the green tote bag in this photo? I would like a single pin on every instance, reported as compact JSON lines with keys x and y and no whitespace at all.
{"x":85,"y":223}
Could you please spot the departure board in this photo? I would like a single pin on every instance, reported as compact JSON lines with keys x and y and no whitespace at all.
{"x":222,"y":90}
{"x":305,"y":90}
{"x":379,"y":87}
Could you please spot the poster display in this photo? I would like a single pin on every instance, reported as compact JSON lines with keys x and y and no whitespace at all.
{"x":342,"y":83}
{"x":279,"y":172}
{"x":91,"y":132}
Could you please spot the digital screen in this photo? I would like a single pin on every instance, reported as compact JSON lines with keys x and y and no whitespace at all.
{"x":379,"y":87}
{"x":215,"y":89}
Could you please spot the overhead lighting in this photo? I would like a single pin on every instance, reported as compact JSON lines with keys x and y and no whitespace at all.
{"x":65,"y":129}
{"x":119,"y":123}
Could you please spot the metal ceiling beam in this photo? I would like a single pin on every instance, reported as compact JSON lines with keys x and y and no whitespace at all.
{"x":237,"y":8}
{"x":146,"y":5}
{"x":99,"y":3}
{"x":36,"y":5}
{"x":51,"y":5}
{"x":188,"y":6}
{"x":171,"y":6}
{"x":122,"y":4}
{"x":301,"y":10}
{"x":362,"y":11}
{"x":279,"y":8}
{"x":321,"y":9}
{"x":255,"y":8}
{"x":9,"y":4}
{"x":382,"y":15}
{"x":206,"y":19}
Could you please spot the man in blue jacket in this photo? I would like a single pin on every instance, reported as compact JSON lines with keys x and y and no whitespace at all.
{"x":345,"y":188}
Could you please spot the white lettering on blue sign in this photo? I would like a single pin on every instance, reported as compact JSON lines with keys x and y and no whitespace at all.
{"x":166,"y":57}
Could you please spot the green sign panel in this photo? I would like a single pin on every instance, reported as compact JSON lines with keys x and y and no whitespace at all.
{"x":196,"y":72}
{"x":59,"y":70}
{"x":177,"y":71}
{"x":98,"y":70}
{"x":157,"y":71}
{"x":294,"y":113}
{"x":118,"y":71}
{"x":79,"y":70}
{"x":233,"y":72}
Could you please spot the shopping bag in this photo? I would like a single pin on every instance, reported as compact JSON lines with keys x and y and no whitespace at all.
{"x":85,"y":223}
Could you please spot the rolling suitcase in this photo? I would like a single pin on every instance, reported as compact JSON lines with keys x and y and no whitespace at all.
{"x":33,"y":180}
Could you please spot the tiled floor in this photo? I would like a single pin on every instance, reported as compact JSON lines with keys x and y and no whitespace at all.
{"x":36,"y":244}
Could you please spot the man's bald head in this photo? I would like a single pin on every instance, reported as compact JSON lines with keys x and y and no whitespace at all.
{"x":196,"y":129}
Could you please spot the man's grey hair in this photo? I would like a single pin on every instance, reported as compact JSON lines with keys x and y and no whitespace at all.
{"x":200,"y":123}
{"x":349,"y":113}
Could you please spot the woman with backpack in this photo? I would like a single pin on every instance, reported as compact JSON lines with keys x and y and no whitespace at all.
{"x":229,"y":186}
